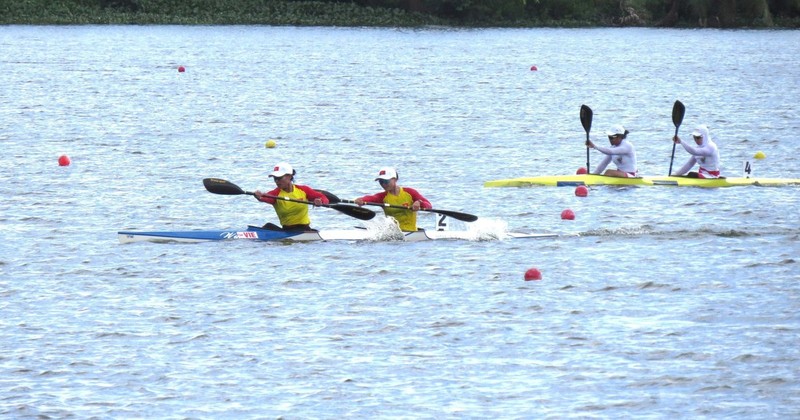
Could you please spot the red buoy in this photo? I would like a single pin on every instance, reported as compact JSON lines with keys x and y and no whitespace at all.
{"x":581,"y":171}
{"x":181,"y":69}
{"x":533,"y":274}
{"x":63,"y":160}
{"x":567,"y":215}
{"x":534,"y":68}
{"x":581,"y":191}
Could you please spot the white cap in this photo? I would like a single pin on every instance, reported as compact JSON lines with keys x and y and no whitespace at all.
{"x":281,"y":169}
{"x":697,"y":132}
{"x":386,"y":173}
{"x":616,"y":130}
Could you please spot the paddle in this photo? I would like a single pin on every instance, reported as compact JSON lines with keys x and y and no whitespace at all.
{"x":464,"y":217}
{"x":221,"y":186}
{"x":586,"y":120}
{"x":677,"y":118}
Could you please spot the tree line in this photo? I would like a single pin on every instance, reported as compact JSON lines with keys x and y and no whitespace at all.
{"x":458,"y":13}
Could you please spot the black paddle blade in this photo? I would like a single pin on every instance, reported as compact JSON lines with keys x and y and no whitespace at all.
{"x":586,"y":118}
{"x":332,"y":198}
{"x":464,"y":217}
{"x":221,"y":186}
{"x":678,"y":110}
{"x":354,"y":211}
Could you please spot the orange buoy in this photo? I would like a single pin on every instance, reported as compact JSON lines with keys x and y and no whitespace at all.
{"x":567,"y":215}
{"x":63,"y":160}
{"x":533,"y":274}
{"x":534,"y":68}
{"x":181,"y":69}
{"x":581,"y":191}
{"x":581,"y":171}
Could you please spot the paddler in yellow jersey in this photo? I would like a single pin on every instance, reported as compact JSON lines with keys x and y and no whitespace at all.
{"x":396,"y":195}
{"x":293,"y":216}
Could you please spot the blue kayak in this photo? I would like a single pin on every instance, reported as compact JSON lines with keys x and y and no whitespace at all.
{"x":255,"y":233}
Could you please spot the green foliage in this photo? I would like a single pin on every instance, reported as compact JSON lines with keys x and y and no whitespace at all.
{"x":575,"y":10}
{"x":787,"y":8}
{"x":602,"y":12}
{"x":399,"y":13}
{"x":656,"y":9}
{"x":477,"y":11}
{"x":190,"y":12}
{"x":699,"y":8}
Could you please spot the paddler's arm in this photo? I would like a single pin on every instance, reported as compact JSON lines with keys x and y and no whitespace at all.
{"x":624,"y":148}
{"x":686,"y":166}
{"x":695,"y":151}
{"x":263,"y":196}
{"x":313,"y":195}
{"x":374,"y":198}
{"x":420,"y":202}
{"x":602,"y":165}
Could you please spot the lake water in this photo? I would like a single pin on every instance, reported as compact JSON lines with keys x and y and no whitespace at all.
{"x":655,"y":302}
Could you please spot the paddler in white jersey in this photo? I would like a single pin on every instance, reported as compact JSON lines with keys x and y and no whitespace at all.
{"x":621,"y":152}
{"x":706,"y":154}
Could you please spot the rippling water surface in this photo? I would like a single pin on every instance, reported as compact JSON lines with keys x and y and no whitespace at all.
{"x":654,"y":301}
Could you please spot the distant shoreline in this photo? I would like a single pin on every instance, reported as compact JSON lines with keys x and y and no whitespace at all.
{"x":512,"y":14}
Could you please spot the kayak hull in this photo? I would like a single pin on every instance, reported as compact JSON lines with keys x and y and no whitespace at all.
{"x":675,"y":181}
{"x":253,"y":233}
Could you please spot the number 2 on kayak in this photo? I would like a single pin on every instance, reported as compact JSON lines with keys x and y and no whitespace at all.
{"x":441,"y":224}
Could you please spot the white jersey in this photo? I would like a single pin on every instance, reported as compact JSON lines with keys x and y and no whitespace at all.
{"x":623,"y":155}
{"x":706,"y":155}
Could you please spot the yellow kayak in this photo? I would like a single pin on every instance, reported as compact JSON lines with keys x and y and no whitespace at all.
{"x":675,"y":181}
